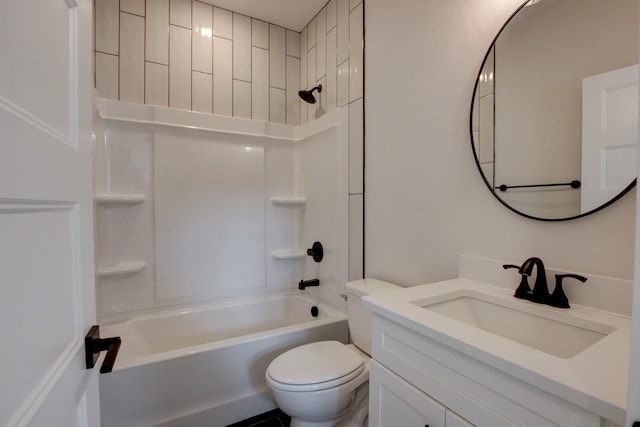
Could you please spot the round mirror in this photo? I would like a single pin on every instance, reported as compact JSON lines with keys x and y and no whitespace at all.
{"x":554,"y":114}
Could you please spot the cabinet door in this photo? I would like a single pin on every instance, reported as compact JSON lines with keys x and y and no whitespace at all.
{"x":393,"y":402}
{"x":454,"y":420}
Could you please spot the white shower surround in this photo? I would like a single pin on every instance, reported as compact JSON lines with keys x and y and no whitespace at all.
{"x":307,"y":162}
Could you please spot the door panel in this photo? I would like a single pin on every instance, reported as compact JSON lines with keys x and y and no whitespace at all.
{"x":46,"y":211}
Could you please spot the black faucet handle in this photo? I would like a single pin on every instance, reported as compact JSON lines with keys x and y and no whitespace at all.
{"x":558,"y":297}
{"x":524,"y":290}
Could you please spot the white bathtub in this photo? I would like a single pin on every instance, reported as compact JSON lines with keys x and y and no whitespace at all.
{"x":205,"y":367}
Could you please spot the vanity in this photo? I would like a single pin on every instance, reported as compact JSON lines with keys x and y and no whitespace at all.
{"x":466,"y":353}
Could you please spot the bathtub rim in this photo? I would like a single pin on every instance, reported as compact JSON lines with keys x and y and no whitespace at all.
{"x":334,"y":315}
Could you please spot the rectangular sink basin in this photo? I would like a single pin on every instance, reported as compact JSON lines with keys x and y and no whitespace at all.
{"x":555,"y":333}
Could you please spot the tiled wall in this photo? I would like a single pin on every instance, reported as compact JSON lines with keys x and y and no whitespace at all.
{"x":191,"y":55}
{"x":332,"y":55}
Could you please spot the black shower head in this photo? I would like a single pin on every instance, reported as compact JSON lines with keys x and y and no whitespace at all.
{"x":307,"y":95}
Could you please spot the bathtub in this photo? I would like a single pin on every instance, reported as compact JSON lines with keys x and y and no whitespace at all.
{"x":205,"y":366}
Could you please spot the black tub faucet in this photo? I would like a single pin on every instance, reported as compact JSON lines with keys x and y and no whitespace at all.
{"x":540,"y":292}
{"x":302,"y":284}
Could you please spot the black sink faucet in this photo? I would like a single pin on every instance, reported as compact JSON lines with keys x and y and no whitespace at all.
{"x":540,"y":292}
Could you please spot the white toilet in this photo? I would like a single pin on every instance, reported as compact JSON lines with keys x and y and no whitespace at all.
{"x":325,"y":383}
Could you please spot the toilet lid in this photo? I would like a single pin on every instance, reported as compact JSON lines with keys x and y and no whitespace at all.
{"x":319,"y":365}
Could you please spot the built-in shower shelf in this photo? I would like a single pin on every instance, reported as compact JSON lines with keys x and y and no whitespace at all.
{"x":284,"y":255}
{"x":121,"y":269}
{"x":119,"y":199}
{"x":292,"y":202}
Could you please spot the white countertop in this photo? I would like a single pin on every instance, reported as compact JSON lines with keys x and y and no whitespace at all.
{"x":595,"y":379}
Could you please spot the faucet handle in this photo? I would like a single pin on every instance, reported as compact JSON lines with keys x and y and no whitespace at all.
{"x":524,"y":290}
{"x":558,"y":297}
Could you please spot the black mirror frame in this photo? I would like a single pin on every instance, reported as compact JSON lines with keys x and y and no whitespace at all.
{"x":475,"y":154}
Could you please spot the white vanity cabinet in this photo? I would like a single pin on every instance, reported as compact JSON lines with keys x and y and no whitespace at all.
{"x":417,"y":381}
{"x":398,"y":403}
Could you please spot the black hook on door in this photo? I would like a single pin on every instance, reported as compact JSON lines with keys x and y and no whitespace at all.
{"x":93,"y":345}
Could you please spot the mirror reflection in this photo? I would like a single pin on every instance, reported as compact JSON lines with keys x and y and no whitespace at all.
{"x":554,"y":114}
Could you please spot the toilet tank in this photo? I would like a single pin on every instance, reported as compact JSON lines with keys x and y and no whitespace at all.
{"x":360,"y":317}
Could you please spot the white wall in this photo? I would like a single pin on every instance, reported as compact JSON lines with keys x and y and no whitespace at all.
{"x":425,"y":201}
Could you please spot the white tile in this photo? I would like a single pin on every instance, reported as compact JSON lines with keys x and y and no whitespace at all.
{"x":180,"y":12}
{"x":107,"y":75}
{"x":311,"y":33}
{"x":222,"y":76}
{"x":106,"y":26}
{"x":343,"y":30}
{"x":277,"y":105}
{"x":293,"y":43}
{"x":156,"y":84}
{"x":202,"y":43}
{"x":241,"y":99}
{"x":321,"y":99}
{"x":157,"y":32}
{"x":354,"y":3}
{"x":331,"y":15}
{"x":356,"y":147}
{"x":293,"y":86}
{"x":180,"y":67}
{"x":201,"y":92}
{"x":241,"y":47}
{"x":260,"y":33}
{"x":311,"y":82}
{"x":131,"y":58}
{"x":277,"y":57}
{"x":356,"y":57}
{"x":222,"y":23}
{"x":343,"y":84}
{"x":485,"y":131}
{"x":304,"y":56}
{"x":332,"y":69}
{"x":485,"y":87}
{"x":321,"y":44}
{"x":132,"y":6}
{"x":356,"y":235}
{"x":260,"y":84}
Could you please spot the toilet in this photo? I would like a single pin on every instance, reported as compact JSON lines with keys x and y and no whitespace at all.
{"x":325,"y":383}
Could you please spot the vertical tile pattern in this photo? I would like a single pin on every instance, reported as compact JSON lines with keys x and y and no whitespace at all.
{"x":331,"y":15}
{"x":202,"y":45}
{"x":343,"y":30}
{"x":356,"y":57}
{"x":312,"y":33}
{"x":277,"y":57}
{"x":293,"y":44}
{"x":343,"y":84}
{"x":311,"y":82}
{"x":356,"y":236}
{"x":259,"y":84}
{"x":241,"y":47}
{"x":156,"y":84}
{"x":135,"y":7}
{"x":321,"y":44}
{"x":356,"y":147}
{"x":180,"y":13}
{"x":106,"y":26}
{"x":131,"y":58}
{"x":222,"y":76}
{"x":222,"y":23}
{"x":293,"y":86}
{"x":202,"y":91}
{"x":330,"y":92}
{"x":179,"y":67}
{"x":277,"y":105}
{"x":259,"y":33}
{"x":241,"y":99}
{"x":107,"y":75}
{"x":157,"y":29}
{"x":304,"y":56}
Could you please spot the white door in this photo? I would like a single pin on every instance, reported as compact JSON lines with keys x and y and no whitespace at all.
{"x":46,"y":214}
{"x":609,"y":135}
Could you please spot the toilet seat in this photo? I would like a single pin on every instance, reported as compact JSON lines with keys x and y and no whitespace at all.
{"x":316,"y":366}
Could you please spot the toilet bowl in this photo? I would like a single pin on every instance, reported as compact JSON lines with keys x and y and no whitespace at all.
{"x":325,"y":384}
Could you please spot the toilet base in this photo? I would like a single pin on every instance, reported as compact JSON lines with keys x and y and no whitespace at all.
{"x":356,"y":416}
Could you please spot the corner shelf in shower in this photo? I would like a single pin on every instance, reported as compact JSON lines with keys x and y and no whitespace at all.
{"x":121,"y":269}
{"x":285,"y":255}
{"x":119,"y":199}
{"x":292,"y":202}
